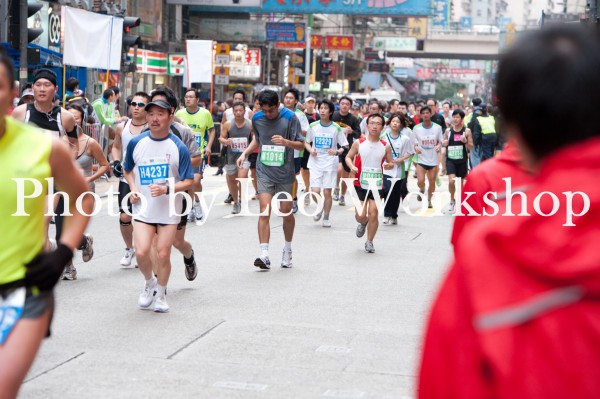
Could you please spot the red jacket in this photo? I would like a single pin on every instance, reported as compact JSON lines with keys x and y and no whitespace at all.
{"x":487,"y":177}
{"x":518,"y":314}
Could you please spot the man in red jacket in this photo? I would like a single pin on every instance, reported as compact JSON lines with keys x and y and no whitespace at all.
{"x":517,"y":314}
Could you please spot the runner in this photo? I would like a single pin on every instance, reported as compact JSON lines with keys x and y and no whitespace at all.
{"x":152,"y":158}
{"x":277,"y":133}
{"x":201,"y":122}
{"x":457,"y":139}
{"x":322,"y":142}
{"x":372,"y":156}
{"x":290,"y":101}
{"x":235,"y":136}
{"x":402,"y":151}
{"x":312,"y":115}
{"x":27,"y":274}
{"x":124,"y":133}
{"x":427,"y":141}
{"x":351,"y":128}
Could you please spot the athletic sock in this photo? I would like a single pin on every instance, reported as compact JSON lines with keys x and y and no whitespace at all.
{"x":161,"y":290}
{"x":264,"y":248}
{"x":190,"y":260}
{"x":288,"y":246}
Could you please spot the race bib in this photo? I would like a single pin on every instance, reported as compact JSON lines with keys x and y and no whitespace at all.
{"x":455,"y":152}
{"x":371,"y":173}
{"x":199,"y":140}
{"x":428,"y":142}
{"x":239,"y":144}
{"x":323,"y":143}
{"x":272,"y":155}
{"x":153,"y":171}
{"x":11,"y":310}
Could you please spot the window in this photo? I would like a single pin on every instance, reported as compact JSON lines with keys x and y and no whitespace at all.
{"x":479,"y":13}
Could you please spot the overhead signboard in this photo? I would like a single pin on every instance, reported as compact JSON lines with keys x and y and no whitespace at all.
{"x":151,"y":62}
{"x":176,"y":64}
{"x":441,"y":13}
{"x":332,"y":42}
{"x":235,"y":4}
{"x":417,"y":27}
{"x":285,"y":32}
{"x":371,"y":7}
{"x":395,"y":43}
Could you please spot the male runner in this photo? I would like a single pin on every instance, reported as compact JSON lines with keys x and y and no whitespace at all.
{"x":351,"y":128}
{"x":277,"y":133}
{"x":290,"y":101}
{"x":235,"y":136}
{"x":457,"y":139}
{"x":201,"y":122}
{"x":322,"y":142}
{"x":372,"y":156}
{"x":124,"y":133}
{"x":151,"y":158}
{"x":427,"y":141}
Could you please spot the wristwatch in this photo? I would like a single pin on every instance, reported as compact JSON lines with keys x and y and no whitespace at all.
{"x":168,"y":191}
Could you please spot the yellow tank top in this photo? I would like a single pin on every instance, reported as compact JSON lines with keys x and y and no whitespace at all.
{"x":24,"y":154}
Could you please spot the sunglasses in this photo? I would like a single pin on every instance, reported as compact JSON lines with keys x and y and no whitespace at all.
{"x":141,"y":105}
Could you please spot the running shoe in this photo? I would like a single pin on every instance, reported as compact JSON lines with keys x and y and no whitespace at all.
{"x":53,"y":245}
{"x":438,"y":181}
{"x":161,"y":305}
{"x":336,"y":194}
{"x":128,"y":257}
{"x":295,"y":207}
{"x":360,"y":229}
{"x":148,"y":294}
{"x":263,"y":263}
{"x":326,"y":223}
{"x":198,"y":211}
{"x":286,"y":259}
{"x":394,"y":220}
{"x":387,"y":221}
{"x":306,"y":200}
{"x":87,"y":253}
{"x":191,"y":217}
{"x":237,"y":208}
{"x":420,"y":197}
{"x":70,"y":273}
{"x":369,"y":248}
{"x":451,"y":207}
{"x":342,"y":201}
{"x":317,"y":217}
{"x":429,"y":205}
{"x":229,"y":199}
{"x":191,"y":271}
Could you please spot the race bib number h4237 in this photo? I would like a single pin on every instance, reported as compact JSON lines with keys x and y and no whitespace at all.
{"x":153,"y":171}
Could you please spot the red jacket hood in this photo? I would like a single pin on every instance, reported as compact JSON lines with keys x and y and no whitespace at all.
{"x":533,"y":254}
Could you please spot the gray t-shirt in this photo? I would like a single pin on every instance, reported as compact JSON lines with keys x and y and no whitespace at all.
{"x":276,"y":163}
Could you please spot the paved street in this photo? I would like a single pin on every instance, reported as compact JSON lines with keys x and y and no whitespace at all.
{"x":340,"y":324}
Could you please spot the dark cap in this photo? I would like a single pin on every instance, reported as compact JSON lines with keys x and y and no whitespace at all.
{"x":44,"y":74}
{"x":159,"y":103}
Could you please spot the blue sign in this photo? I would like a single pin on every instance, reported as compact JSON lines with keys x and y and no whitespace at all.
{"x":285,"y":32}
{"x":503,"y":22}
{"x":466,"y":22}
{"x":441,"y":12}
{"x":363,"y":7}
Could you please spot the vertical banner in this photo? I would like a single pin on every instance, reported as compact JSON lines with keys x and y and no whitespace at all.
{"x":199,"y":68}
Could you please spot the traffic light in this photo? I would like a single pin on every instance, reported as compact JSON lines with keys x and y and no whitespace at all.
{"x":15,"y":18}
{"x":325,"y":71}
{"x":300,"y":60}
{"x":129,"y":39}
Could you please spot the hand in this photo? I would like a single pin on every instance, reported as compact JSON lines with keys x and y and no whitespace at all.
{"x":463,"y":139}
{"x":332,"y":152}
{"x":124,"y":119}
{"x":418,"y":150}
{"x":354,"y":169}
{"x":348,"y":131}
{"x":388,"y":165}
{"x":278,"y":140}
{"x":117,"y":168}
{"x":313,"y":152}
{"x":437,"y":148}
{"x":240,"y":160}
{"x":207,"y":152}
{"x":156,"y":190}
{"x":229,"y":142}
{"x":46,"y":268}
{"x":135,"y":196}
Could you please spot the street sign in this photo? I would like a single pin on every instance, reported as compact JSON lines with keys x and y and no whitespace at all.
{"x":285,"y":32}
{"x":222,"y":59}
{"x":339,"y":42}
{"x":221,"y":70}
{"x":221,"y":79}
{"x":176,"y":64}
{"x":253,"y":57}
{"x":395,"y":43}
{"x":223,"y":48}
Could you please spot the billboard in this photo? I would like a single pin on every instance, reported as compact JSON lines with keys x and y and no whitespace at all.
{"x":362,"y":7}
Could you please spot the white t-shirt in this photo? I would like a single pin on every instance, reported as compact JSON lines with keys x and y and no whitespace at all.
{"x":153,"y":162}
{"x":400,"y":147}
{"x":427,"y":139}
{"x":303,"y":125}
{"x":324,"y":138}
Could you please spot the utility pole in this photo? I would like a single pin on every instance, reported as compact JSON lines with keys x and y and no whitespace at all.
{"x":23,"y":40}
{"x":307,"y":59}
{"x":3,"y":19}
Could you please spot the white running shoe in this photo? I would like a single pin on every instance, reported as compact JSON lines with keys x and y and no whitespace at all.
{"x":336,"y":194}
{"x":360,"y":230}
{"x":342,"y":201}
{"x":128,"y":257}
{"x":317,"y":217}
{"x":198,"y":211}
{"x":326,"y":223}
{"x":161,"y":305}
{"x":237,"y":208}
{"x":369,"y":248}
{"x":451,"y":207}
{"x":148,"y":294}
{"x":286,"y":259}
{"x":306,"y":200}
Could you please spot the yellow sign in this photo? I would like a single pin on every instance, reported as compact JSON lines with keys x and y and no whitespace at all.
{"x":221,"y":70}
{"x":417,"y":27}
{"x":223,"y":48}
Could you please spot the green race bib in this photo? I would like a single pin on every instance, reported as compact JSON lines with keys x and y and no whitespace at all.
{"x":455,"y":152}
{"x":371,"y":173}
{"x":272,"y":155}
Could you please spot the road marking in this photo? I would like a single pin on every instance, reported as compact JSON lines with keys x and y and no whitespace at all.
{"x":332,"y":349}
{"x":244,"y":386}
{"x":341,"y":393}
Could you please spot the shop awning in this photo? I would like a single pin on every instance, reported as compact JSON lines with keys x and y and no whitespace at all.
{"x":47,"y":57}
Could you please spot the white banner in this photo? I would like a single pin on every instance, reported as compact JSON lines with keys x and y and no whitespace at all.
{"x":92,"y":40}
{"x":199,"y":67}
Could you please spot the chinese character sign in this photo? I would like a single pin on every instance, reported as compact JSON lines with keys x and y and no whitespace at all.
{"x":441,"y":11}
